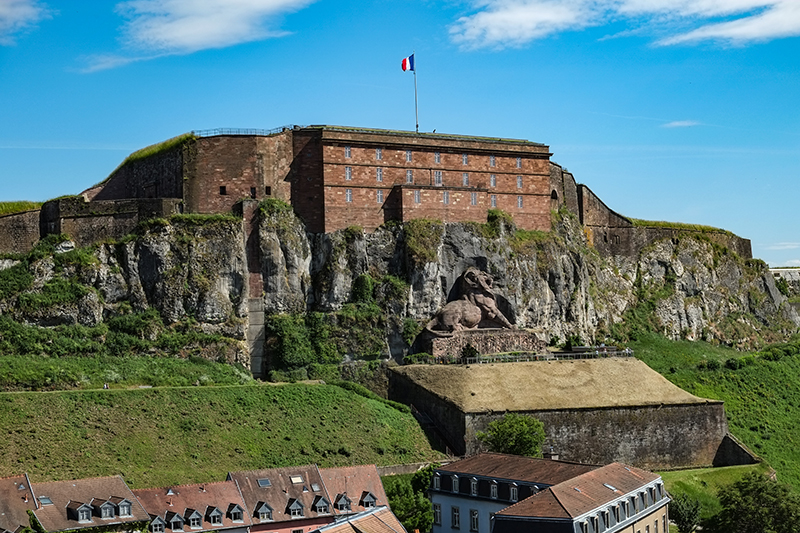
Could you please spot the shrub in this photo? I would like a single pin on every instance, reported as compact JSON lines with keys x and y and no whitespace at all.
{"x":514,"y":434}
{"x":14,"y":280}
{"x":363,"y":289}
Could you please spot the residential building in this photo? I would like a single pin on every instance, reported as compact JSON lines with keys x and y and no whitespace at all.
{"x":375,"y":520}
{"x":88,"y":503}
{"x":612,"y":499}
{"x":16,"y":499}
{"x":195,"y":508}
{"x":353,"y":489}
{"x":465,"y":494}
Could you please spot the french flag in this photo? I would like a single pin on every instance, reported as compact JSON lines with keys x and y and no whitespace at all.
{"x":408,"y":63}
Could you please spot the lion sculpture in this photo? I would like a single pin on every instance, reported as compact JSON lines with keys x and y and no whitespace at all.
{"x":477,"y":306}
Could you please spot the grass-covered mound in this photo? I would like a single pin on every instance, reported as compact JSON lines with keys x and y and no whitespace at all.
{"x":761,"y":391}
{"x":164,"y":436}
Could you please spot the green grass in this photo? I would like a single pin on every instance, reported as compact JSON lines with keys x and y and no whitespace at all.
{"x":678,"y":225}
{"x":165,"y":436}
{"x":8,"y":208}
{"x":704,"y":483}
{"x":762,"y":396}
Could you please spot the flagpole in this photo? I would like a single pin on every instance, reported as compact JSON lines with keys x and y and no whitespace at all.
{"x":416,"y":108}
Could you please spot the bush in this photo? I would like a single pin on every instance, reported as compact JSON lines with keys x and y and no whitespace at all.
{"x":15,"y":280}
{"x":514,"y":434}
{"x":685,"y":512}
{"x":363,"y":289}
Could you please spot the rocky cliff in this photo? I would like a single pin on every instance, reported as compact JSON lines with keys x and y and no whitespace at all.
{"x":352,"y":295}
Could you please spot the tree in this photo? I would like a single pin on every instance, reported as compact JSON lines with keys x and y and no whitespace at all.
{"x":685,"y":512}
{"x":408,"y":499}
{"x":757,"y":504}
{"x":514,"y":434}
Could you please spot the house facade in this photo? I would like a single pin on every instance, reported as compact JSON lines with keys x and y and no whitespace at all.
{"x":612,"y":499}
{"x":16,"y":499}
{"x":467,"y":493}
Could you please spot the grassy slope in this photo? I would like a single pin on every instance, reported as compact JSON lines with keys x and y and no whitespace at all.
{"x":762,"y":399}
{"x":162,"y":436}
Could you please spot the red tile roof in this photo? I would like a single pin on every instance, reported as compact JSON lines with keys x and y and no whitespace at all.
{"x":378,"y":520}
{"x":200,"y":497}
{"x":15,"y":500}
{"x":353,"y":481}
{"x":63,"y":493}
{"x":584,"y":493}
{"x":518,"y":468}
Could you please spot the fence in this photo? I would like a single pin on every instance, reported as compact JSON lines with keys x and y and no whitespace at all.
{"x":243,"y":131}
{"x":597,"y":353}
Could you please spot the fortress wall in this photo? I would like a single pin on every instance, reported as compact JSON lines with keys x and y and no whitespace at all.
{"x":157,"y":176}
{"x":644,"y":235}
{"x":563,"y":183}
{"x":651,"y":437}
{"x":449,"y":419}
{"x":19,"y":232}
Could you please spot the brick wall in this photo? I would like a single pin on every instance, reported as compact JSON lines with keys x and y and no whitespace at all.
{"x":308,"y":195}
{"x":19,"y":232}
{"x":157,"y":176}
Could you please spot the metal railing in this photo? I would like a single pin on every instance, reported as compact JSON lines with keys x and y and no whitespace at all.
{"x":518,"y":357}
{"x":243,"y":131}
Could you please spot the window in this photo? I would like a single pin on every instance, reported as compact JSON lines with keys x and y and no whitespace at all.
{"x":348,"y":173}
{"x":265,"y":514}
{"x":493,"y":181}
{"x":584,"y":527}
{"x":215,"y":518}
{"x":252,"y":192}
{"x":473,"y":200}
{"x":606,"y":519}
{"x":465,"y":179}
{"x":84,"y":515}
{"x":297,"y":531}
{"x":492,"y":162}
{"x":348,"y":195}
{"x":473,"y":520}
{"x":437,"y":177}
{"x":347,"y":151}
{"x":379,"y":174}
{"x":437,"y":481}
{"x":223,"y":190}
{"x":664,"y":523}
{"x":455,"y":519}
{"x":44,"y":500}
{"x":519,"y":202}
{"x":322,"y":506}
{"x":107,"y":511}
{"x":494,"y":200}
{"x":652,"y":492}
{"x":125,"y":509}
{"x":379,"y":196}
{"x":473,"y":487}
{"x":595,"y":525}
{"x":464,"y":159}
{"x":408,"y":156}
{"x":514,"y":493}
{"x":519,"y":162}
{"x":343,"y":503}
{"x":157,"y":527}
{"x":176,"y":524}
{"x":296,"y":511}
{"x":417,"y":200}
{"x":368,"y":500}
{"x":454,"y":478}
{"x":268,"y":191}
{"x":493,"y":490}
{"x":194,"y":522}
{"x":236,"y":514}
{"x":446,"y":201}
{"x":655,"y":526}
{"x":519,"y":182}
{"x":646,"y":529}
{"x":616,"y":514}
{"x":437,"y":157}
{"x":437,"y":514}
{"x":409,"y":176}
{"x":378,"y":153}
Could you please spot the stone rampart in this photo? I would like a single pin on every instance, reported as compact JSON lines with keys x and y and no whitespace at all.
{"x":485,"y":341}
{"x":19,"y":232}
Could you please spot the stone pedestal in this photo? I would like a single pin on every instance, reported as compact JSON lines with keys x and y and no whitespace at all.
{"x":484,"y":341}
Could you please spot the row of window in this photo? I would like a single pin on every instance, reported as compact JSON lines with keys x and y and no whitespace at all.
{"x":437,"y":157}
{"x":223,"y":191}
{"x":473,"y":200}
{"x":437,"y":177}
{"x":455,"y":517}
{"x":195,"y":520}
{"x":473,"y":482}
{"x":629,"y":507}
{"x":83,"y":512}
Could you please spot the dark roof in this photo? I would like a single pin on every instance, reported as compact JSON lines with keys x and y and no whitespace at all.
{"x":419,"y":135}
{"x":282,"y":489}
{"x":15,"y":500}
{"x":202,"y":497}
{"x":582,"y":494}
{"x":63,"y":493}
{"x":517,"y":468}
{"x":378,"y":520}
{"x":353,"y":481}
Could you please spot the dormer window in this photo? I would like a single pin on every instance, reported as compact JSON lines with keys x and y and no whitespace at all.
{"x":342,"y":503}
{"x":124,"y":508}
{"x":214,"y":516}
{"x":193,"y":518}
{"x":437,"y":482}
{"x":295,"y":508}
{"x":263,"y":511}
{"x":493,"y":490}
{"x":84,"y":515}
{"x":455,"y":483}
{"x":107,"y":511}
{"x":368,"y":500}
{"x":235,"y":513}
{"x":473,"y":487}
{"x":321,"y":505}
{"x":176,"y":522}
{"x":514,"y":492}
{"x":157,"y":526}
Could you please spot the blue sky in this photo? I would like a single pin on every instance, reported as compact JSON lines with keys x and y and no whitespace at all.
{"x":680,"y":110}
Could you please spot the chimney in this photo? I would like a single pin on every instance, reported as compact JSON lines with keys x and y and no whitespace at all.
{"x":551,"y":454}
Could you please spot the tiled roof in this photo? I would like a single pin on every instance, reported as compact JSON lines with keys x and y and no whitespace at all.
{"x":293,"y":483}
{"x":353,"y":481}
{"x":517,"y":468}
{"x":62,"y":493}
{"x":378,"y":520}
{"x":577,"y":496}
{"x":15,"y":500}
{"x":201,"y":497}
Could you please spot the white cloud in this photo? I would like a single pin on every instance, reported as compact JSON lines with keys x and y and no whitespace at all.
{"x":500,"y":23}
{"x":680,"y":124}
{"x":793,"y":262}
{"x":784,"y":246}
{"x":17,"y":16}
{"x":185,"y":26}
